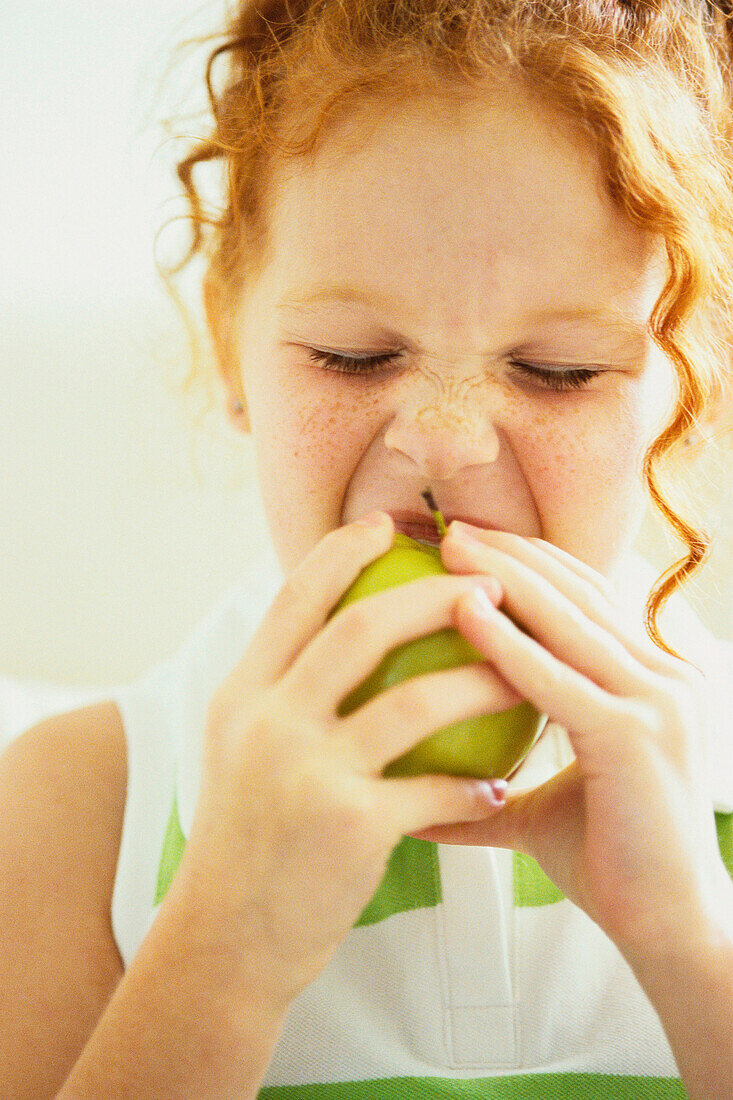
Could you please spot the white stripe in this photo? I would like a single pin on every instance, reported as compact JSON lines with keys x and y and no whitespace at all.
{"x":478,"y":990}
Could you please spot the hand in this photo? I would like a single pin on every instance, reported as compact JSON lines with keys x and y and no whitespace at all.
{"x":627,"y":830}
{"x":295,"y":823}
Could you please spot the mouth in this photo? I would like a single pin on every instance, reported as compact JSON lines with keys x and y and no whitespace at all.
{"x":422,"y":528}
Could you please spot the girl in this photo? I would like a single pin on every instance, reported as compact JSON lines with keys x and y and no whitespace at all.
{"x":486,"y":247}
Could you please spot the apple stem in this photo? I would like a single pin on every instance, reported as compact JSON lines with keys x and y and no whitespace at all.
{"x":429,"y":499}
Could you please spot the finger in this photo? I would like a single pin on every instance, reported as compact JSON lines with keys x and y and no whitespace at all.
{"x":533,"y":552}
{"x":586,"y":709}
{"x":357,"y":639}
{"x":308,"y":595}
{"x":639,"y":642}
{"x":397,"y":719}
{"x":565,"y":629}
{"x":568,"y":617}
{"x":523,"y":818}
{"x":418,"y":802}
{"x":496,"y":830}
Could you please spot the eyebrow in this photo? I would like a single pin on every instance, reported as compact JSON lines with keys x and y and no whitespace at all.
{"x":324,"y":293}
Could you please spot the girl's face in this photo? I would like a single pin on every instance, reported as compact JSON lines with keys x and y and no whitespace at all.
{"x":476,"y":247}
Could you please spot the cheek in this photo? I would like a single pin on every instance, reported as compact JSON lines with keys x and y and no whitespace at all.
{"x":587,"y":482}
{"x":327,"y":431}
{"x":300,"y":425}
{"x":308,"y":443}
{"x":582,"y":440}
{"x":592,"y":457}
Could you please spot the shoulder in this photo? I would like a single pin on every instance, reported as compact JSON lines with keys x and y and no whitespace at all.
{"x":90,"y":739}
{"x":67,"y":770}
{"x":62,"y":797}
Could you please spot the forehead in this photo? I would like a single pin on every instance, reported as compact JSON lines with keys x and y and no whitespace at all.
{"x":477,"y":209}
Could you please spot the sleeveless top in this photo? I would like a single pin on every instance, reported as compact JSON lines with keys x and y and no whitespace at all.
{"x":468,"y":974}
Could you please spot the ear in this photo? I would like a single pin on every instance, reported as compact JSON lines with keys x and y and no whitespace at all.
{"x":219,"y":322}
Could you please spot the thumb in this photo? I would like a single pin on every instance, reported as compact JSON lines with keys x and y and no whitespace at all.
{"x":505,"y":828}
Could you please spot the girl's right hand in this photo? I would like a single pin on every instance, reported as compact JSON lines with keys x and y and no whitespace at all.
{"x":295,"y":824}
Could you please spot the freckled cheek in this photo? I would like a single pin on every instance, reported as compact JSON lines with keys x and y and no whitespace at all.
{"x":575,"y":458}
{"x":333,"y":434}
{"x":308,"y":447}
{"x":298,"y":415}
{"x":587,"y":485}
{"x":591,"y":458}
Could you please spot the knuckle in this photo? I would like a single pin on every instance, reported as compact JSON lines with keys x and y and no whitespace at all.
{"x":353,"y":542}
{"x":457,"y":588}
{"x":222,"y":705}
{"x":398,"y":708}
{"x":677,"y":698}
{"x":295,"y":589}
{"x":627,"y":660}
{"x":411,"y":701}
{"x":675,"y":717}
{"x":645,"y":717}
{"x":351,"y":624}
{"x":485,"y":684}
{"x":351,"y":810}
{"x":466,"y":584}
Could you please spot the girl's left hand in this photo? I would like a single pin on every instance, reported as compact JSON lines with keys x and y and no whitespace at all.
{"x":627,"y":831}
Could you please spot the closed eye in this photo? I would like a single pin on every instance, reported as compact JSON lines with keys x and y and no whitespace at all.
{"x":346,"y":364}
{"x":555,"y":379}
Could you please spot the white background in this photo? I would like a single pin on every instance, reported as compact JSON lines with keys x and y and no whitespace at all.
{"x":122,"y":519}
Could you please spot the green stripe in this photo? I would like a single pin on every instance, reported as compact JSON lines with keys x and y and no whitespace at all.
{"x":531,"y":884}
{"x":411,"y":881}
{"x":173,"y":846}
{"x":536,"y":1086}
{"x":724,"y":826}
{"x":412,"y":877}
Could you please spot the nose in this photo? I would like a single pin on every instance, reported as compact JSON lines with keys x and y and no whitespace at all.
{"x":442,"y":439}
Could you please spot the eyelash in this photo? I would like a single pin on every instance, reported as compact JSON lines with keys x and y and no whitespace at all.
{"x":553,"y":380}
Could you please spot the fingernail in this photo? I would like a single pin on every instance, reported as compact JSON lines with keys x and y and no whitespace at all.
{"x":374,"y":519}
{"x":491,"y":586}
{"x":479,"y":603}
{"x":495,"y":790}
{"x":463,"y":533}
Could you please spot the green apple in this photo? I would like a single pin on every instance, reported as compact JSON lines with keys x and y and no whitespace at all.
{"x":490,"y":746}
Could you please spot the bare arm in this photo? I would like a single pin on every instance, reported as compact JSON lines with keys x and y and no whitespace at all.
{"x":184,"y":1020}
{"x":692,"y":992}
{"x":59,"y":963}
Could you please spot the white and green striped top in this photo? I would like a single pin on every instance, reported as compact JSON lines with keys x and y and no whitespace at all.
{"x":468,"y":974}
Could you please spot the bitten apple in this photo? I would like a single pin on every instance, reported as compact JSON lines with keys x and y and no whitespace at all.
{"x":490,"y":746}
